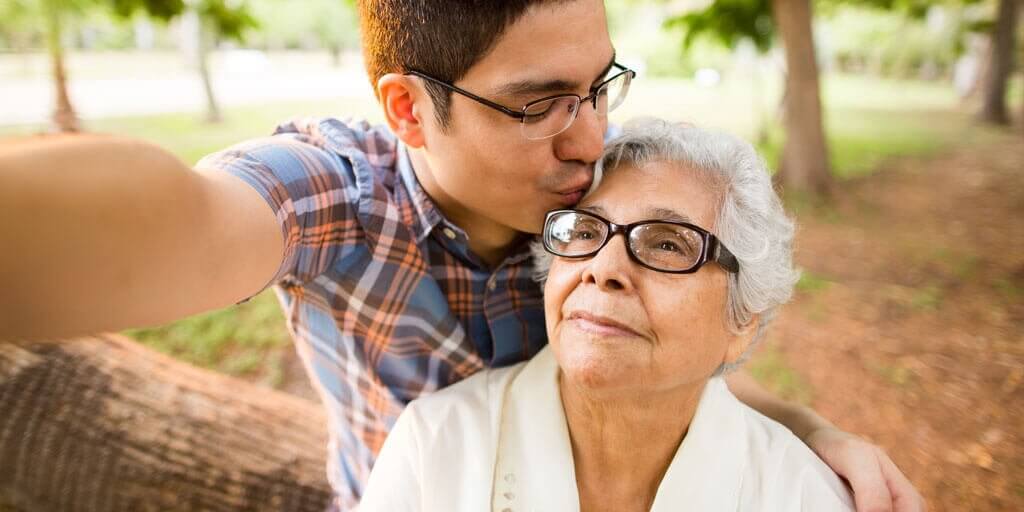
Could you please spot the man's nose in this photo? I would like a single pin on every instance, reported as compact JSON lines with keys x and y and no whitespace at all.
{"x":584,"y":139}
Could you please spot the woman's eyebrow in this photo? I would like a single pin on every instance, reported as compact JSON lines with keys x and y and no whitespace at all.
{"x":667,"y":214}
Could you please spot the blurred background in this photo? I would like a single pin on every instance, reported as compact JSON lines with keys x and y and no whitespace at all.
{"x":896,"y":126}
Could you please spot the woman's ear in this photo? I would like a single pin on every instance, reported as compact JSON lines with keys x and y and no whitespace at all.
{"x":741,"y":340}
{"x":402,"y":99}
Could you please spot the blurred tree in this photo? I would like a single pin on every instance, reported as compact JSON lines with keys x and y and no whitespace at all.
{"x":804,"y":165}
{"x":218,"y":19}
{"x":65,"y":119}
{"x":1000,"y":66}
{"x":224,"y":18}
{"x":55,"y":14}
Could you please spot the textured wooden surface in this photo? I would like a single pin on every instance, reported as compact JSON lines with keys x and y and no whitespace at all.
{"x":104,"y":424}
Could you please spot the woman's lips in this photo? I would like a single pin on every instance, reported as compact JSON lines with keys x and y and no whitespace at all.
{"x":600,"y":325}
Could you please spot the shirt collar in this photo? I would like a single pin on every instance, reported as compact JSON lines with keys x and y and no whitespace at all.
{"x":428,"y":216}
{"x":535,"y":466}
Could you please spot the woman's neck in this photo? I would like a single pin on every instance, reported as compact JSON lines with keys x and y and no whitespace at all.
{"x":622,"y":445}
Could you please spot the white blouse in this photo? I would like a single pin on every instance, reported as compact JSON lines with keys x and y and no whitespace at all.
{"x":499,"y":441}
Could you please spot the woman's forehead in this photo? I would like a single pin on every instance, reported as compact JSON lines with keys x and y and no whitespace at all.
{"x":654,"y":190}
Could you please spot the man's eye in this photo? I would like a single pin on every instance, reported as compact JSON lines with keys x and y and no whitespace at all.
{"x":585,"y":235}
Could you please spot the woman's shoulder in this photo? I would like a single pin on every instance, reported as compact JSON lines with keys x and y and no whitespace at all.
{"x":473,"y":401}
{"x":788,"y":471}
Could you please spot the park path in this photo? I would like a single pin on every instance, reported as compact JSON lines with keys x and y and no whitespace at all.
{"x":119,"y":84}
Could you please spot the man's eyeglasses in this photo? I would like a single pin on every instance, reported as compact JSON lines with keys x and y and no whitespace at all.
{"x":664,"y":246}
{"x":547,"y":117}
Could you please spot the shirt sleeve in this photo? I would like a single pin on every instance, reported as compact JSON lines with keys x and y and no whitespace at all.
{"x":812,"y":485}
{"x":396,"y":481}
{"x":312,"y":192}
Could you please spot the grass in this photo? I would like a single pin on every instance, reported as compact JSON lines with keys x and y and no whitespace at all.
{"x":1008,"y":288}
{"x":927,"y":298}
{"x":898,"y":376}
{"x":242,"y":340}
{"x":868,"y":120}
{"x":811,"y":283}
{"x":770,"y":369}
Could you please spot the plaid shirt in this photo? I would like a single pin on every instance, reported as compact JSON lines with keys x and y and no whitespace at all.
{"x":381,"y":293}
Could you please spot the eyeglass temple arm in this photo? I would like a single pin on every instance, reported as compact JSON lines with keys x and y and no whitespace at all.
{"x":485,"y":101}
{"x":725,"y":258}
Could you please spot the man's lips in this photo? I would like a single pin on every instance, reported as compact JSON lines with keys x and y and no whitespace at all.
{"x":571,"y":198}
{"x":601,"y":325}
{"x":572,"y":192}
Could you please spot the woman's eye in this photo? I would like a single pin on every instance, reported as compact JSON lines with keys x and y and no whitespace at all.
{"x":668,"y":246}
{"x":585,"y":235}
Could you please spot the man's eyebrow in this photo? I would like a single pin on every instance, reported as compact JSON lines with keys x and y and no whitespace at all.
{"x":531,"y":87}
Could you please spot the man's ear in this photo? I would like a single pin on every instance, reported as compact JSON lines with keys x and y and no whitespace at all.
{"x":741,"y":340}
{"x":403,"y":101}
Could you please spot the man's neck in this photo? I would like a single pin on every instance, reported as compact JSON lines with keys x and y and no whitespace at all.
{"x":622,"y":446}
{"x":489,"y":240}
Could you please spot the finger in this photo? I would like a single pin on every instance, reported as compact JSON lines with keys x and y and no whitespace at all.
{"x":870,"y":491}
{"x":905,"y":497}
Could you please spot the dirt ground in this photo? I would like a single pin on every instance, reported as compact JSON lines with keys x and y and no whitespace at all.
{"x":911,"y":330}
{"x":908,"y":327}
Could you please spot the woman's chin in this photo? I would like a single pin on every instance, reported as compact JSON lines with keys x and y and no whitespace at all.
{"x":600,"y":363}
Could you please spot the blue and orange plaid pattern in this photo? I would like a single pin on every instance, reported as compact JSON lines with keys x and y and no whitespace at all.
{"x":381,"y":294}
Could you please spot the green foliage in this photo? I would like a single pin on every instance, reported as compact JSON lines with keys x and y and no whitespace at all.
{"x":228,"y":18}
{"x":728,"y":22}
{"x":160,"y":9}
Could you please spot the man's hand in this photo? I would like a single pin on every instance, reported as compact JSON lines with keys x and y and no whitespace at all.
{"x":878,"y":485}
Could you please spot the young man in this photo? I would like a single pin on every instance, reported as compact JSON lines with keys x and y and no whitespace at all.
{"x":398,"y":253}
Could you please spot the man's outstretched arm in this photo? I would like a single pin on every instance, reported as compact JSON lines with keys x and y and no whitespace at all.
{"x":878,"y":485}
{"x":101,"y":233}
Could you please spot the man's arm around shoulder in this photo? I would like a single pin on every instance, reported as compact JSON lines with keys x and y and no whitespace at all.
{"x":878,"y":485}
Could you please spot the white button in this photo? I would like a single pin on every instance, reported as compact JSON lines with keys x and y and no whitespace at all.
{"x":492,"y":283}
{"x":449,"y":233}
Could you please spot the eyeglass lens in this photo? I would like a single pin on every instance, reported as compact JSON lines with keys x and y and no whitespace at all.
{"x":662,"y":246}
{"x":550,"y":117}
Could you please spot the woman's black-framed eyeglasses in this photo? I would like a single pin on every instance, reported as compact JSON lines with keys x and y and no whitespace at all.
{"x":549,"y":116}
{"x":664,"y":246}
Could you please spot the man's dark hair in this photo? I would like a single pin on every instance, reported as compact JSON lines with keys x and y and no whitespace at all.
{"x":442,"y":38}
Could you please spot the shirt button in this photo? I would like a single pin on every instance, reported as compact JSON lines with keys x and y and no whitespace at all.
{"x":449,"y":233}
{"x":492,"y":283}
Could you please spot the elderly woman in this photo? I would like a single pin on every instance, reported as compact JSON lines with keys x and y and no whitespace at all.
{"x":661,"y":279}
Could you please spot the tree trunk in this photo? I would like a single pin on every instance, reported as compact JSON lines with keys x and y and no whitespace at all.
{"x":105,"y":424}
{"x":993,"y":107}
{"x":207,"y":41}
{"x":804,"y":165}
{"x":64,"y":117}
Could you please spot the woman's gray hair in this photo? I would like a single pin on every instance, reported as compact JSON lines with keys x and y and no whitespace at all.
{"x":751,"y":221}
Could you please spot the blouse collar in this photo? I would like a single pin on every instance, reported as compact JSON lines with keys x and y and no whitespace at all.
{"x":535,"y":472}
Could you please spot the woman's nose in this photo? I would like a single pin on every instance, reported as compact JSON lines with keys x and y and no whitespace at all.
{"x":610,"y":269}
